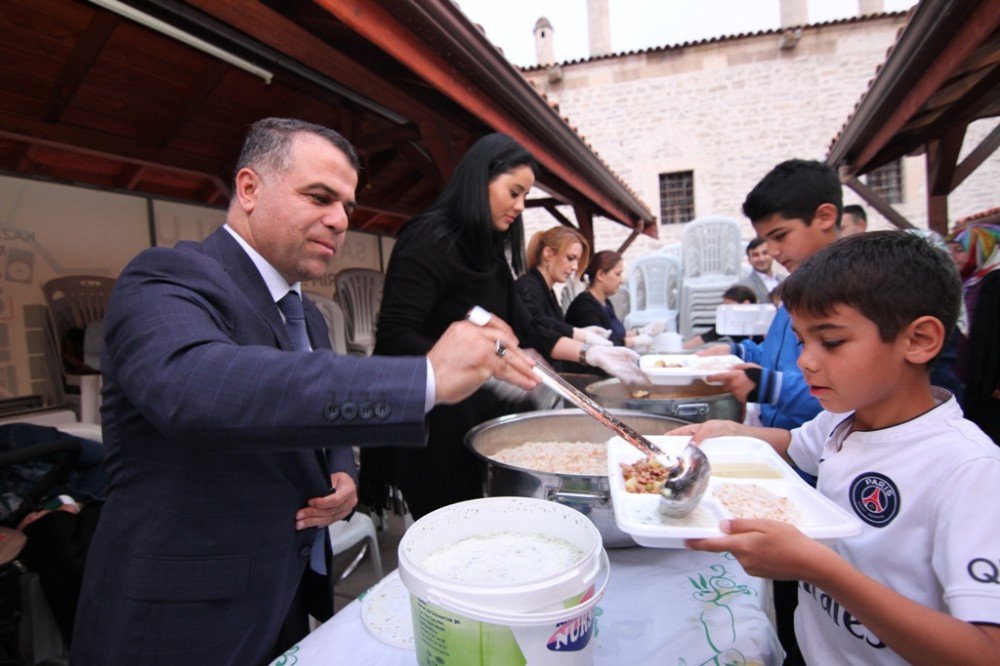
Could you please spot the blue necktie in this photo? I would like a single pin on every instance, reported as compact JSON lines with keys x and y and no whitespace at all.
{"x":295,"y":321}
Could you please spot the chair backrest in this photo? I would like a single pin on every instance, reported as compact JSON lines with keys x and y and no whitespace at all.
{"x":75,"y":301}
{"x":569,"y":292}
{"x":711,"y":246}
{"x":336,"y":322}
{"x":359,"y":292}
{"x":654,"y":283}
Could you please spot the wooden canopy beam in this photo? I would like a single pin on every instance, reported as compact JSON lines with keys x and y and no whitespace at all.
{"x":277,"y":32}
{"x":189,"y":102}
{"x":979,"y":154}
{"x":383,"y":29}
{"x":878,"y":203}
{"x":585,"y":220}
{"x":85,"y":53}
{"x":983,"y":21}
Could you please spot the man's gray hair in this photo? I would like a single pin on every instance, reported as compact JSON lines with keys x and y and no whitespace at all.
{"x":267,"y":146}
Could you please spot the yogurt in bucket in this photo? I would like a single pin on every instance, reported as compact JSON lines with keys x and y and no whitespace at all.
{"x":503,"y":580}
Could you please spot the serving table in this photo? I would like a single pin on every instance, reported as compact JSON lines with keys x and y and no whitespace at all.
{"x":662,"y":606}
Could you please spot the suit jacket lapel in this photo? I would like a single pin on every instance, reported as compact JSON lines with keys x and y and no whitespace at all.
{"x":221,"y":245}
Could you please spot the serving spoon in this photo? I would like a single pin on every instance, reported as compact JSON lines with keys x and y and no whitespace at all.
{"x":687,"y":473}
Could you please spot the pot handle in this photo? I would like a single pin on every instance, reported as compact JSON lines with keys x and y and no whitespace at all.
{"x":687,"y":410}
{"x":576,"y":497}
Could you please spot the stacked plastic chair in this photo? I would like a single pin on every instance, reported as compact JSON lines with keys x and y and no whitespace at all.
{"x":712,"y":262}
{"x":359,"y":293}
{"x":653,"y":287}
{"x":336,"y":322}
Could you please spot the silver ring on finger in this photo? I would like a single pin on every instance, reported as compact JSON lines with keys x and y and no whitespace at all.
{"x":501,"y":348}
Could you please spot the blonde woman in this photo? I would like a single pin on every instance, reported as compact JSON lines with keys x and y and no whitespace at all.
{"x":557,"y":255}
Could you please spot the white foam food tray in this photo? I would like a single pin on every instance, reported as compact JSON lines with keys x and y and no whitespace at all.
{"x":744,"y":318}
{"x":681,"y":369}
{"x":638,"y":514}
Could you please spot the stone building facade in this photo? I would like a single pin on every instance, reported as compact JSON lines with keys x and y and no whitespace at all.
{"x":730,"y":108}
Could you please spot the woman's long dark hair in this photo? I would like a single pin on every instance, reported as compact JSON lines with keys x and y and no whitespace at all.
{"x":462,"y":210}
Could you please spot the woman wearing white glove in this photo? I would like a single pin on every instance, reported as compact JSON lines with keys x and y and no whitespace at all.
{"x":555,"y":256}
{"x":605,"y":275}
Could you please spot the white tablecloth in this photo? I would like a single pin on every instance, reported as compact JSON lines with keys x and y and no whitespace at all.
{"x":662,"y":606}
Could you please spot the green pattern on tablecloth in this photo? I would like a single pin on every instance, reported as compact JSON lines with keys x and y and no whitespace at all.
{"x":288,"y":658}
{"x":716,"y":588}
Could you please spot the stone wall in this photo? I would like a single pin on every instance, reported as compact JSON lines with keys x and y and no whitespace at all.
{"x":731,"y":110}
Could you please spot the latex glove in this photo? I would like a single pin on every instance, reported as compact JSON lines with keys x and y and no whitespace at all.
{"x":596,"y":340}
{"x":619,"y":362}
{"x":652,"y":328}
{"x":599,"y":330}
{"x":641,"y":342}
{"x":590,"y":336}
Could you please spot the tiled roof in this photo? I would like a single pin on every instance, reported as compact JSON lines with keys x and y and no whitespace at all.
{"x":717,"y":40}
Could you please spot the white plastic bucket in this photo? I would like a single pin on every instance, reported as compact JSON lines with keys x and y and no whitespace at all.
{"x":547,"y":620}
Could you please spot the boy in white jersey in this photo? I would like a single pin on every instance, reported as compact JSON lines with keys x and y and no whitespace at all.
{"x":921,"y":584}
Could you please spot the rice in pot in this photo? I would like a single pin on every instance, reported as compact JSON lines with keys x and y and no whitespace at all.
{"x":587,"y":458}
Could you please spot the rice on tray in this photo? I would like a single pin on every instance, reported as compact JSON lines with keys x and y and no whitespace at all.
{"x":587,"y":458}
{"x":748,"y":500}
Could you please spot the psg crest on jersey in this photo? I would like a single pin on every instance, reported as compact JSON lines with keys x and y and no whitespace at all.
{"x":875,"y":498}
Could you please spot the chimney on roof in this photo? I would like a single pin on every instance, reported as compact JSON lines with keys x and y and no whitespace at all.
{"x":866,"y":7}
{"x":794,"y":13}
{"x":544,"y":48}
{"x":599,"y":27}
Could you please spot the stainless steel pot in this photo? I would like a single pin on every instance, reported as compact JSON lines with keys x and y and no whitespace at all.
{"x":591,"y":495}
{"x":697,"y":402}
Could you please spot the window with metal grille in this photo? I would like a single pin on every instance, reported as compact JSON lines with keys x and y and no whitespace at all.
{"x":676,"y":197}
{"x":887,"y":181}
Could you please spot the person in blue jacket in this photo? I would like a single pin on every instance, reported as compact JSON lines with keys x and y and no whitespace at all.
{"x":796,"y":208}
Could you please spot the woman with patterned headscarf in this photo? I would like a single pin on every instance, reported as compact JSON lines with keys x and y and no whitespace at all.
{"x":976,"y":250}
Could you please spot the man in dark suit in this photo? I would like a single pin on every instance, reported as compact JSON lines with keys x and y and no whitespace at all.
{"x":762,"y":279}
{"x":225,"y":422}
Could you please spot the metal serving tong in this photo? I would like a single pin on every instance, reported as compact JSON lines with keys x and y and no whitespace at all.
{"x":687,"y":473}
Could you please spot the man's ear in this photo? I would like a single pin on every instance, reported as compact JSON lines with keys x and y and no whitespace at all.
{"x":924,"y":338}
{"x":825,"y":217}
{"x":247,"y":189}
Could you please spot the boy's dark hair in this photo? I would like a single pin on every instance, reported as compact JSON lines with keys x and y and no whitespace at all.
{"x":754,"y":244}
{"x":740,"y":293}
{"x":795,"y":189}
{"x":857,"y":211}
{"x":891,"y":277}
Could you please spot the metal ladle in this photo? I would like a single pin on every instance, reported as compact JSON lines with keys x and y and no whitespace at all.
{"x":687,"y":473}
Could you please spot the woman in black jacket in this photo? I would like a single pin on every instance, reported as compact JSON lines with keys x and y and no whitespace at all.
{"x":446,"y":260}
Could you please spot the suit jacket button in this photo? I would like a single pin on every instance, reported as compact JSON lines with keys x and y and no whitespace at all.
{"x":366,"y":411}
{"x":382,"y":410}
{"x":332,"y":412}
{"x":305,"y":551}
{"x":349,"y":410}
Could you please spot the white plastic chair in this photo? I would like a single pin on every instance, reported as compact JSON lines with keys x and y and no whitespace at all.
{"x":75,"y":303}
{"x":653,"y":287}
{"x":336,"y":322}
{"x":711,"y":247}
{"x":346,"y":533}
{"x":569,"y":292}
{"x":359,"y":292}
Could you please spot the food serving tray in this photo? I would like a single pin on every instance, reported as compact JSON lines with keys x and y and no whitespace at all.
{"x":744,"y":318}
{"x":638,"y":514}
{"x":680,"y":369}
